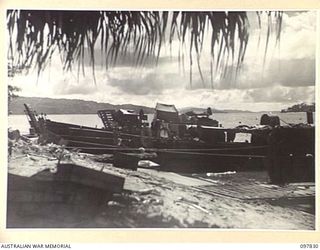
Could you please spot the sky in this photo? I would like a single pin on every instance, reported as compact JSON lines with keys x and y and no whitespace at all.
{"x":286,"y":78}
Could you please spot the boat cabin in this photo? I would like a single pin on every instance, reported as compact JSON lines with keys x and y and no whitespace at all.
{"x":122,"y":119}
{"x":166,"y":113}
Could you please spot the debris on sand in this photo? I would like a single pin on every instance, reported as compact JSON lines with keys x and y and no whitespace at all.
{"x":156,"y":199}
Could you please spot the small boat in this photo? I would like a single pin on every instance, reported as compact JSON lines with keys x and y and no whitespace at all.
{"x":192,"y":138}
{"x":185,"y":143}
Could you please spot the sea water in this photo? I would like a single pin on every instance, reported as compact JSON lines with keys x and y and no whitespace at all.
{"x":227,"y":120}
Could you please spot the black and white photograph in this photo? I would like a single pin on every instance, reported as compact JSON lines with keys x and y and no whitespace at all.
{"x":161,"y":119}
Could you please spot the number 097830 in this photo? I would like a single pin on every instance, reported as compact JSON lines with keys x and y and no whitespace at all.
{"x":309,"y":246}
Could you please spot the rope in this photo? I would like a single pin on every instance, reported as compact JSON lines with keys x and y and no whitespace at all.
{"x":220,"y":155}
{"x":285,"y":122}
{"x":111,"y":147}
{"x":282,"y":120}
{"x":92,"y":143}
{"x":89,"y":137}
{"x":172,"y":151}
{"x":214,"y":149}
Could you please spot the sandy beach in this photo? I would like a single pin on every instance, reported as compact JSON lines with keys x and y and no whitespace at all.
{"x":155,"y":199}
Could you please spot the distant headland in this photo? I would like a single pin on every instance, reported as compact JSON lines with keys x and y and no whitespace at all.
{"x":76,"y":106}
{"x":301,"y":107}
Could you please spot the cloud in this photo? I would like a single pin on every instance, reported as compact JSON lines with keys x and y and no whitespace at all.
{"x":280,"y":94}
{"x":144,"y":81}
{"x":288,"y":76}
{"x":297,"y":38}
{"x":74,"y":87}
{"x":294,"y":72}
{"x":282,"y":72}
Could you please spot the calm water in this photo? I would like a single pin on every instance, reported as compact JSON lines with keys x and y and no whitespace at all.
{"x":226,"y":119}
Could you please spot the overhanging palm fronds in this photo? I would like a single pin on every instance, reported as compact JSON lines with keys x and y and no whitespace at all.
{"x":36,"y":34}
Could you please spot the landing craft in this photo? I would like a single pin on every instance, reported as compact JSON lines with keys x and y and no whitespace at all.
{"x":191,"y":142}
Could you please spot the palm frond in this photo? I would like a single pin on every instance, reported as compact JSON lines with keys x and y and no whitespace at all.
{"x":36,"y":34}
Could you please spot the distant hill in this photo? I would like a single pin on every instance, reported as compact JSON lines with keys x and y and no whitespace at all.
{"x":75,"y":106}
{"x":67,"y":106}
{"x":301,"y":107}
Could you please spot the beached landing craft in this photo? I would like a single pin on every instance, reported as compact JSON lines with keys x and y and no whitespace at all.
{"x":189,"y":142}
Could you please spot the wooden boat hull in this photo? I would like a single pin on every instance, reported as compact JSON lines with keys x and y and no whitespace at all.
{"x":87,"y":139}
{"x":201,"y":162}
{"x":173,"y":155}
{"x":82,"y":134}
{"x":216,"y":149}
